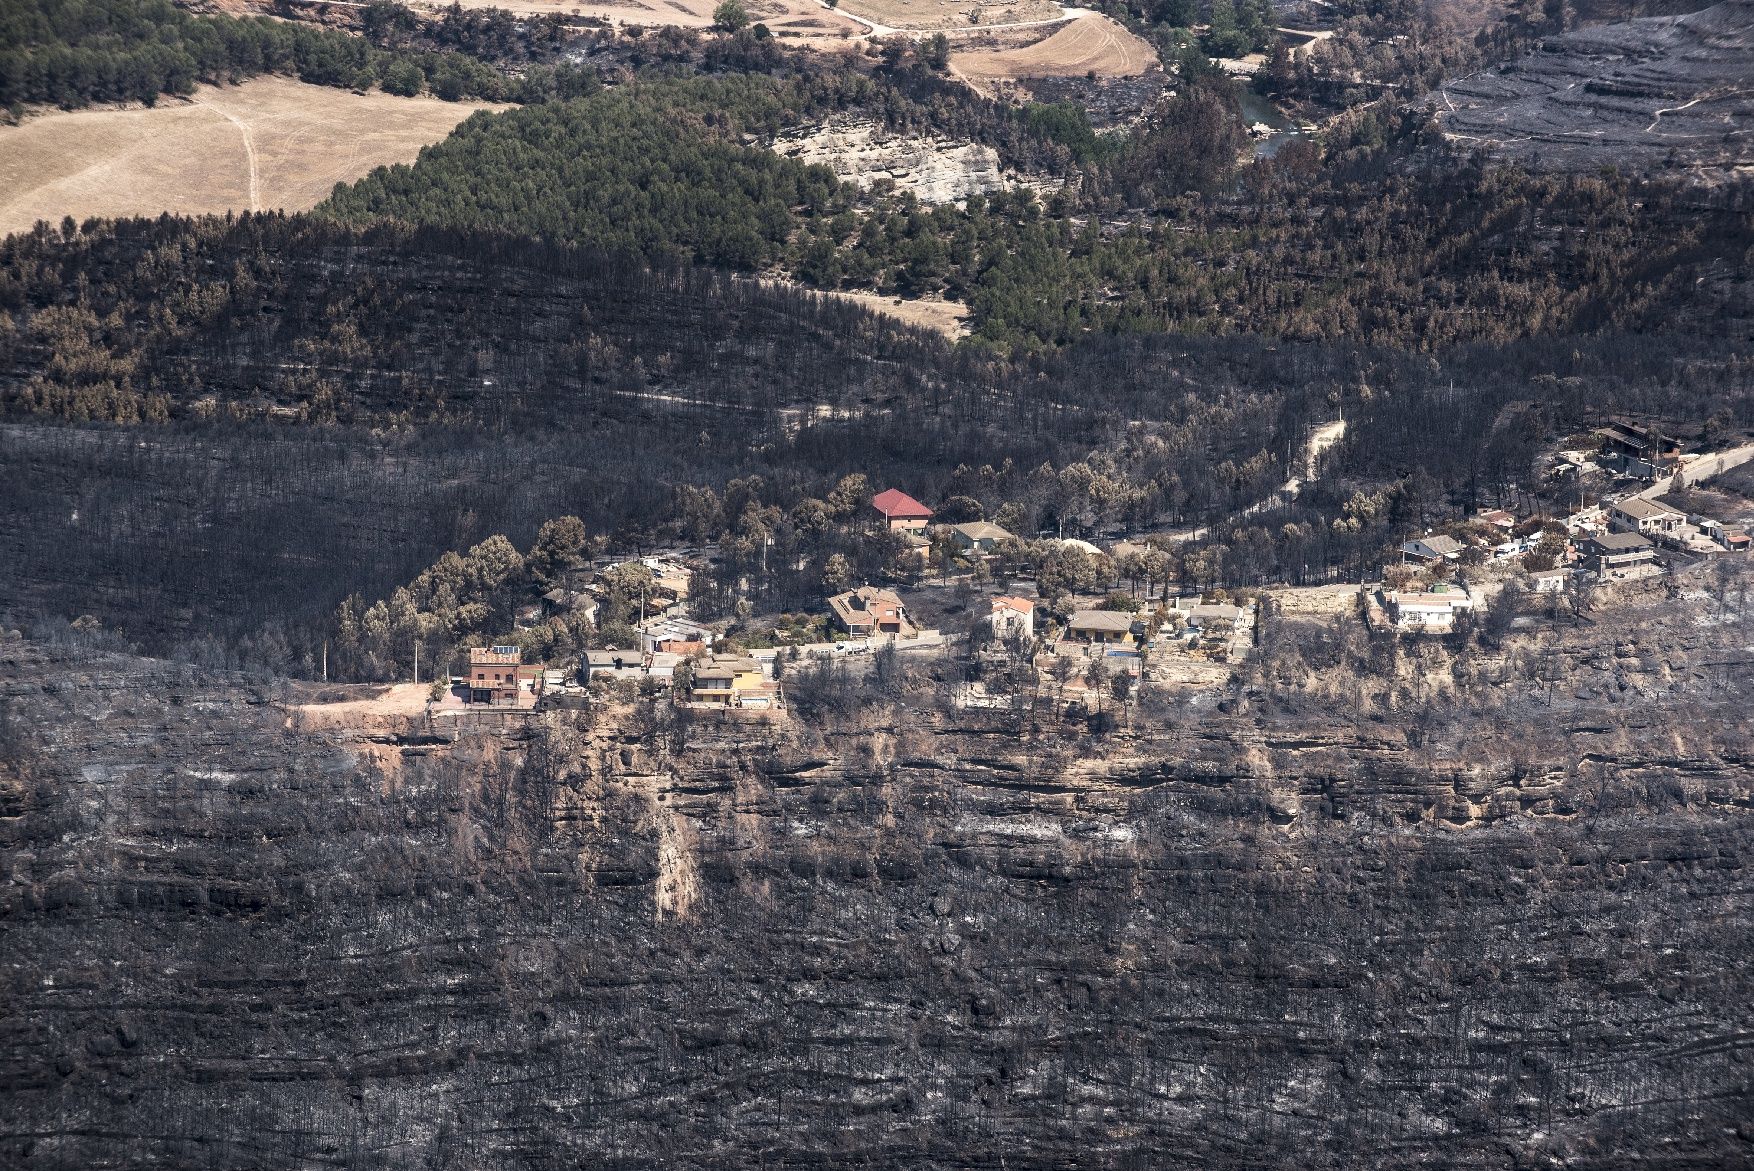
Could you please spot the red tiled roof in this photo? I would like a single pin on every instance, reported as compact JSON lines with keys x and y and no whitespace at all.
{"x":896,"y":504}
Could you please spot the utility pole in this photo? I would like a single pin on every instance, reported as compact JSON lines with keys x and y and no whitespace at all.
{"x":417,"y":661}
{"x":325,"y":660}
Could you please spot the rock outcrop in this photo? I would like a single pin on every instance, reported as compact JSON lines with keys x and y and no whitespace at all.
{"x":935,"y":170}
{"x":927,"y":941}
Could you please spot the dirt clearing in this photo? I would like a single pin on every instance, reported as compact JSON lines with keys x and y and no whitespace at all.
{"x":947,"y":317}
{"x":950,"y":14}
{"x":269,"y":143}
{"x":397,"y":701}
{"x":1090,"y":43}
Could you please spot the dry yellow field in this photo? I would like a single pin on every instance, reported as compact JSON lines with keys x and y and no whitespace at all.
{"x":949,"y":318}
{"x":269,"y":143}
{"x":1089,"y":43}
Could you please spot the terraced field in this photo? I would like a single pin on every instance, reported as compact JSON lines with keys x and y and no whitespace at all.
{"x":1089,"y":43}
{"x":1661,"y":93}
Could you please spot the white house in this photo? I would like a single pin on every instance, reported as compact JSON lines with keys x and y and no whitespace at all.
{"x":1635,"y":514}
{"x":614,"y":664}
{"x":1438,"y":548}
{"x":1013,"y":618}
{"x":1431,"y":612}
{"x":1550,"y":581}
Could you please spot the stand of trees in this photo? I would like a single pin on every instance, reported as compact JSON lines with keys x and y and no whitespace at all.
{"x":216,"y":431}
{"x":71,"y":53}
{"x":1227,"y":28}
{"x":1437,"y":250}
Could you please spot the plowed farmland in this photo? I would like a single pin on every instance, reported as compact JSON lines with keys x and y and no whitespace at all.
{"x":1088,"y":43}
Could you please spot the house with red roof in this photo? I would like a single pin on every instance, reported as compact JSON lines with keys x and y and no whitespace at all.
{"x":900,"y":511}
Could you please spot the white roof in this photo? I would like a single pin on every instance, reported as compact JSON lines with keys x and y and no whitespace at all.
{"x":1446,"y":601}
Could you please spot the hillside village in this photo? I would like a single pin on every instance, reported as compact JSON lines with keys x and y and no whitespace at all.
{"x":1086,"y":627}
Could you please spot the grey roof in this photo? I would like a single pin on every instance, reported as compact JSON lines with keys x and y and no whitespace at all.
{"x":1440,"y":544}
{"x":1101,"y":620}
{"x":1638,"y":508}
{"x":1620,"y":542}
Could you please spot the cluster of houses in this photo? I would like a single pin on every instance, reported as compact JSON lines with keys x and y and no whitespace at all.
{"x":585,"y":590}
{"x":710,"y":680}
{"x":684,"y":657}
{"x":1644,"y":454}
{"x":1622,"y":539}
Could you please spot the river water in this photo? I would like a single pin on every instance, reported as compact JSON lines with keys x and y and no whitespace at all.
{"x":1255,"y":108}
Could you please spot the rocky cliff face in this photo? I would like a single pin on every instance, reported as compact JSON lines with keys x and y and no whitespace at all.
{"x":1234,"y":940}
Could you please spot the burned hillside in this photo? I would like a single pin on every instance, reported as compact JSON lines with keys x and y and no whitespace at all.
{"x":1252,"y":937}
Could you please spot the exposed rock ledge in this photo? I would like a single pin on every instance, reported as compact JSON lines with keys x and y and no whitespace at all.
{"x":937,"y":170}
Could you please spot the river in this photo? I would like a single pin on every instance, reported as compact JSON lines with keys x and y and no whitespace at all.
{"x":1255,"y":109}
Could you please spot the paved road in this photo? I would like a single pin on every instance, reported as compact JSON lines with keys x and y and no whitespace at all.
{"x":1703,"y":468}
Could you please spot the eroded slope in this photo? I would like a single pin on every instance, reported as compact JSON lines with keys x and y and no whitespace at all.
{"x":1661,"y":93}
{"x":920,"y":941}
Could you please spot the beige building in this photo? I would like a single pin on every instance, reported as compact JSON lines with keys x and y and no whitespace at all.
{"x":1013,"y":618}
{"x":978,"y":536}
{"x":1635,"y":514}
{"x":732,"y":681}
{"x":1100,"y":626}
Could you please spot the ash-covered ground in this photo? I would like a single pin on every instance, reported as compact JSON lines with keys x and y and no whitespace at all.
{"x":1666,"y":94}
{"x":1485,"y":908}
